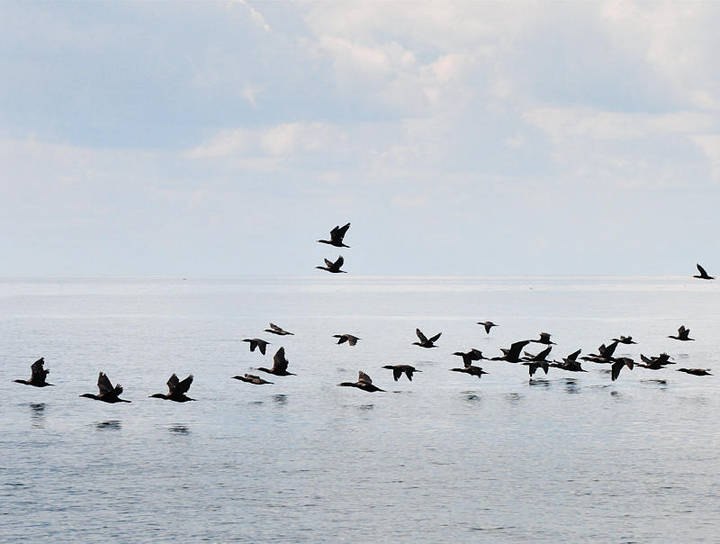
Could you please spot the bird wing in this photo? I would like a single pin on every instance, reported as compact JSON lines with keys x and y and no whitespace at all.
{"x":183,"y":387}
{"x":352,"y":340}
{"x":342,"y":230}
{"x":574,"y":356}
{"x":364,"y":378}
{"x":488,"y":326}
{"x":516,"y":348}
{"x":339,"y":262}
{"x":397,"y":372}
{"x":280,"y":363}
{"x":701,"y":270}
{"x":616,"y":368}
{"x":409,"y":373}
{"x":104,"y":384}
{"x":543,"y":354}
{"x":421,"y":336}
{"x":274,"y":327}
{"x":172,"y":383}
{"x":436,"y":337}
{"x":37,"y":371}
{"x":341,"y":338}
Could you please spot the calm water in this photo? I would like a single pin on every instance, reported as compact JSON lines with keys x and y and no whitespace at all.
{"x":444,"y":458}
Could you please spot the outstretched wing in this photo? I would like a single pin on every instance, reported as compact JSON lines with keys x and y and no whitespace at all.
{"x":340,"y":261}
{"x":182,"y":387}
{"x":172,"y":383}
{"x":573,"y":356}
{"x":701,"y":270}
{"x":436,"y":337}
{"x":280,"y":363}
{"x":421,"y":336}
{"x":274,"y":327}
{"x":543,"y":354}
{"x":516,"y":348}
{"x":397,"y":372}
{"x":104,"y":384}
{"x":38,"y":373}
{"x":409,"y":373}
{"x":364,"y":378}
{"x":338,"y":233}
{"x":328,"y":263}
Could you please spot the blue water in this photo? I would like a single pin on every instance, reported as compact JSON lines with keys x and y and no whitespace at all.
{"x":447,"y":457}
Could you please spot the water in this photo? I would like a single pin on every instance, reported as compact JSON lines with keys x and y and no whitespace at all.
{"x":444,"y":458}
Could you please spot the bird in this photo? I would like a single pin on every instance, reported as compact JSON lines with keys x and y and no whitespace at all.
{"x":656,"y":362}
{"x":257,"y":343}
{"x":336,"y":236}
{"x":540,"y":357}
{"x":280,"y":364}
{"x":570,"y":363}
{"x":349,"y":338}
{"x":488,"y":325}
{"x":176,"y":389}
{"x":426,"y":342}
{"x":274,"y":329}
{"x":470,"y":369}
{"x":533,"y":366}
{"x":683,"y":334}
{"x":333,"y":267}
{"x":703,"y":275}
{"x":512,"y":355}
{"x":605,"y":353}
{"x":470,"y":356}
{"x":251,"y":378}
{"x":399,"y":369}
{"x":364,"y":382}
{"x":37,"y":374}
{"x":618,"y":365}
{"x":696,"y":371}
{"x":108,"y":392}
{"x":625,"y":340}
{"x":544,"y":339}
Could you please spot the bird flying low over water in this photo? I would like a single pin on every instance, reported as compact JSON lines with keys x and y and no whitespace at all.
{"x":251,"y":378}
{"x":470,"y":369}
{"x":257,"y":343}
{"x":683,"y":334}
{"x":399,"y":369}
{"x":696,"y":371}
{"x":625,"y":340}
{"x":488,"y":325}
{"x":512,"y":355}
{"x":570,"y":363}
{"x":108,"y":392}
{"x":703,"y":275}
{"x":176,"y":389}
{"x":604,"y":355}
{"x":655,"y":363}
{"x":274,"y":329}
{"x":544,"y":339}
{"x":333,"y":267}
{"x":619,"y":364}
{"x":280,"y":364}
{"x":426,"y":342}
{"x":469,"y":356}
{"x":364,"y":382}
{"x":336,"y":236}
{"x":37,"y":374}
{"x":349,"y":338}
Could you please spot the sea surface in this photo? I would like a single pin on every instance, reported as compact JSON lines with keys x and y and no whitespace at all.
{"x":569,"y":457}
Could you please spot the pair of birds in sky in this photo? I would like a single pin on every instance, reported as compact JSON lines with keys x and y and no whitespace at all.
{"x":337,"y":235}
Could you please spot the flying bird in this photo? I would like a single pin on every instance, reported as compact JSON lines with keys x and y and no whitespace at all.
{"x":280,"y":364}
{"x":426,"y":342}
{"x":470,"y":369}
{"x":176,"y":389}
{"x":469,"y":356}
{"x":364,"y":382}
{"x":399,"y":369}
{"x":625,"y":340}
{"x":512,"y":355}
{"x":570,"y":363}
{"x":544,"y":339}
{"x":696,"y":371}
{"x":703,"y":275}
{"x":488,"y":325}
{"x":683,"y":334}
{"x":251,"y":378}
{"x":258,"y":343}
{"x":336,"y":236}
{"x":333,"y":267}
{"x":619,"y":364}
{"x":274,"y":329}
{"x":108,"y":392}
{"x":37,"y":374}
{"x":349,"y":338}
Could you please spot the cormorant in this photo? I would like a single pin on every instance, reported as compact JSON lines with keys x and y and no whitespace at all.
{"x":512,"y":355}
{"x":683,"y":334}
{"x":703,"y":275}
{"x":625,"y":340}
{"x":488,"y":325}
{"x":176,"y":389}
{"x":696,"y":371}
{"x":570,"y":363}
{"x":108,"y":392}
{"x":274,"y":329}
{"x":470,"y":369}
{"x":470,"y":356}
{"x":426,"y":342}
{"x":280,"y":364}
{"x":399,"y":369}
{"x":333,"y":267}
{"x":618,"y":365}
{"x":605,"y":353}
{"x":349,"y":338}
{"x":336,"y":236}
{"x":544,"y":339}
{"x":37,"y":374}
{"x":258,"y":343}
{"x":251,"y":378}
{"x":364,"y":382}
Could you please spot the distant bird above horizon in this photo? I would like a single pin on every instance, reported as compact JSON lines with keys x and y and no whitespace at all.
{"x":274,"y":329}
{"x":37,"y":375}
{"x":337,"y":236}
{"x":544,"y":339}
{"x":399,"y":369}
{"x":488,"y":325}
{"x":251,"y":378}
{"x":426,"y":342}
{"x":696,"y":371}
{"x":349,"y":338}
{"x":703,"y":275}
{"x":364,"y":382}
{"x":176,"y":389}
{"x":334,"y":267}
{"x":683,"y":335}
{"x":108,"y":392}
{"x":258,"y":343}
{"x":280,"y":364}
{"x":512,"y":355}
{"x":469,"y":356}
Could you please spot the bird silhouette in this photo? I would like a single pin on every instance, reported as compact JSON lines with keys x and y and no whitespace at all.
{"x":364,"y":382}
{"x":108,"y":392}
{"x":349,"y":338}
{"x":37,"y":374}
{"x":176,"y":389}
{"x":703,"y":275}
{"x":333,"y":267}
{"x":280,"y":364}
{"x":274,"y":329}
{"x":336,"y":236}
{"x":251,"y":378}
{"x":426,"y":342}
{"x":488,"y":325}
{"x":257,"y":343}
{"x":683,"y":334}
{"x":399,"y":369}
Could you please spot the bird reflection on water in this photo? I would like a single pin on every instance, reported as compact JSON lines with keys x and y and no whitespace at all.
{"x":113,"y":425}
{"x":179,"y":428}
{"x":37,"y":414}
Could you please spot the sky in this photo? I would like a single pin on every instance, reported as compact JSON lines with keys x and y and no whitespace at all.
{"x":471,"y":138}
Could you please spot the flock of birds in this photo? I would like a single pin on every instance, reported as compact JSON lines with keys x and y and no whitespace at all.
{"x":515,"y":354}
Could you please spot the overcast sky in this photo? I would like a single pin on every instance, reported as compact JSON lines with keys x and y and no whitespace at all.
{"x":225,"y":138}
